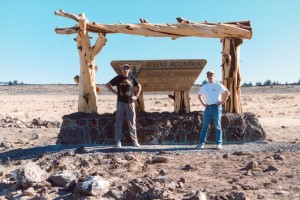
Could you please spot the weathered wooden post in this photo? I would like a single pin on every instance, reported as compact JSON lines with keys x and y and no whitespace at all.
{"x":139,"y":103}
{"x":87,"y":101}
{"x":181,"y":101}
{"x":231,"y":73}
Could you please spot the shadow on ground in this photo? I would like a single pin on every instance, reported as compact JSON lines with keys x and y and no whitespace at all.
{"x":30,"y":153}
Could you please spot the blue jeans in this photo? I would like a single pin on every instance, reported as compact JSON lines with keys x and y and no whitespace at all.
{"x":211,"y":113}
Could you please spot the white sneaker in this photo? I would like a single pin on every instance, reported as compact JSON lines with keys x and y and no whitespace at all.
{"x":119,"y":144}
{"x":136,"y":144}
{"x":200,"y":146}
{"x":219,"y":146}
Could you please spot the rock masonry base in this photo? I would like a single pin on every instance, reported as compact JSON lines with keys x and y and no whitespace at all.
{"x":158,"y":128}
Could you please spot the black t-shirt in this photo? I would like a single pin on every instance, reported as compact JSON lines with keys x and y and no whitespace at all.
{"x":125,"y":87}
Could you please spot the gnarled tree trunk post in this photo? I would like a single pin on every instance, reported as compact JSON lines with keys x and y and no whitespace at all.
{"x":139,"y":103}
{"x":181,"y":101}
{"x":231,"y":73}
{"x":87,"y":101}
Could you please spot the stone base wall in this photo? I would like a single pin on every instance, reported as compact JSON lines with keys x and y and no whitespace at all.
{"x":158,"y":128}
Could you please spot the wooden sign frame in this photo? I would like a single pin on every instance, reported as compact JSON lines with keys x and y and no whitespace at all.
{"x":164,"y":75}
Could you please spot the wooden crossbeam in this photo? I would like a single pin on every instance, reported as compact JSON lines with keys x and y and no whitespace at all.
{"x":184,"y":28}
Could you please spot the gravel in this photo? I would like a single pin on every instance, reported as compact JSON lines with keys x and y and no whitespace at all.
{"x":245,"y":148}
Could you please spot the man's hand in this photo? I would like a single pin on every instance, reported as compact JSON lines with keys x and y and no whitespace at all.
{"x":200,"y":97}
{"x":134,"y":98}
{"x":221,"y":102}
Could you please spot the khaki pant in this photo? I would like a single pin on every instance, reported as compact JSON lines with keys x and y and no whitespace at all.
{"x":129,"y":110}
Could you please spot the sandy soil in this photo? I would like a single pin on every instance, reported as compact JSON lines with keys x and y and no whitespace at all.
{"x":217,"y":174}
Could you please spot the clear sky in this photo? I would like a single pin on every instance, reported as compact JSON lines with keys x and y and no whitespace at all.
{"x":33,"y":53}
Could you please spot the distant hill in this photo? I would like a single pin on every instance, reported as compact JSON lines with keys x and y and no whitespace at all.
{"x":3,"y":83}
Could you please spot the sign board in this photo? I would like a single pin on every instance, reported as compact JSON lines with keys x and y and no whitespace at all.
{"x":163,"y":75}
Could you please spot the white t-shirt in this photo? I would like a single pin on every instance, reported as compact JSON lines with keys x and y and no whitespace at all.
{"x":212,"y":92}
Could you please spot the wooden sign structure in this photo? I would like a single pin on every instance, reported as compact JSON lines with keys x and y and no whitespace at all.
{"x":231,"y":34}
{"x":165,"y":75}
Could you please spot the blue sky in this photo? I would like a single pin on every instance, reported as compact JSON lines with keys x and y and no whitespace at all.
{"x":33,"y":53}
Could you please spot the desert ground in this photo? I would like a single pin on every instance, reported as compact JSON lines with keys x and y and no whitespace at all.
{"x":265,"y":170}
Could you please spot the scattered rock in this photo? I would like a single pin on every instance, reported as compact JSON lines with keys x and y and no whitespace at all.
{"x":162,"y":152}
{"x":35,"y":123}
{"x":35,"y":136}
{"x":282,"y":193}
{"x":295,"y":141}
{"x":6,"y":161}
{"x":271,"y":169}
{"x":289,"y":176}
{"x":63,"y":178}
{"x":114,"y":194}
{"x":194,"y":195}
{"x":225,"y":155}
{"x":157,"y":159}
{"x":280,"y":150}
{"x":29,"y":192}
{"x":155,"y":193}
{"x":80,"y":150}
{"x":172,"y":186}
{"x":5,"y":144}
{"x":249,"y":173}
{"x":38,"y":123}
{"x":241,"y":153}
{"x":187,"y":168}
{"x":251,"y":165}
{"x":162,"y":172}
{"x":93,"y":186}
{"x":247,"y":186}
{"x":29,"y":174}
{"x":240,"y":196}
{"x":129,"y":156}
{"x":278,"y":157}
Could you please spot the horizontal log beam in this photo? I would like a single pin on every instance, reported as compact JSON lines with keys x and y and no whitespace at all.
{"x":185,"y":28}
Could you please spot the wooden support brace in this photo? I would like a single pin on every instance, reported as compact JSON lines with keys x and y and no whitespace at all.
{"x":182,"y":101}
{"x":99,"y":44}
{"x":87,"y":101}
{"x":139,"y":103}
{"x":231,"y":73}
{"x":98,"y":88}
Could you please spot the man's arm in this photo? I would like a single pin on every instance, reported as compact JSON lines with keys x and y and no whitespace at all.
{"x":110,"y":88}
{"x":138,"y":92}
{"x":225,"y":96}
{"x":200,"y":97}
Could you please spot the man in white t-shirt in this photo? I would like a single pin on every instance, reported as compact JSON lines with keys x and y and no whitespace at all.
{"x":210,"y":96}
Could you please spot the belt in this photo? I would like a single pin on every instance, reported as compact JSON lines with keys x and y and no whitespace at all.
{"x":212,"y":105}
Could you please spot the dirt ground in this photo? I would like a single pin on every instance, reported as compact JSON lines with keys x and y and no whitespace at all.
{"x":271,"y":174}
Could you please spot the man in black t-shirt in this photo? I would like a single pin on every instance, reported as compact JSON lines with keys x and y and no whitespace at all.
{"x":125,"y":103}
